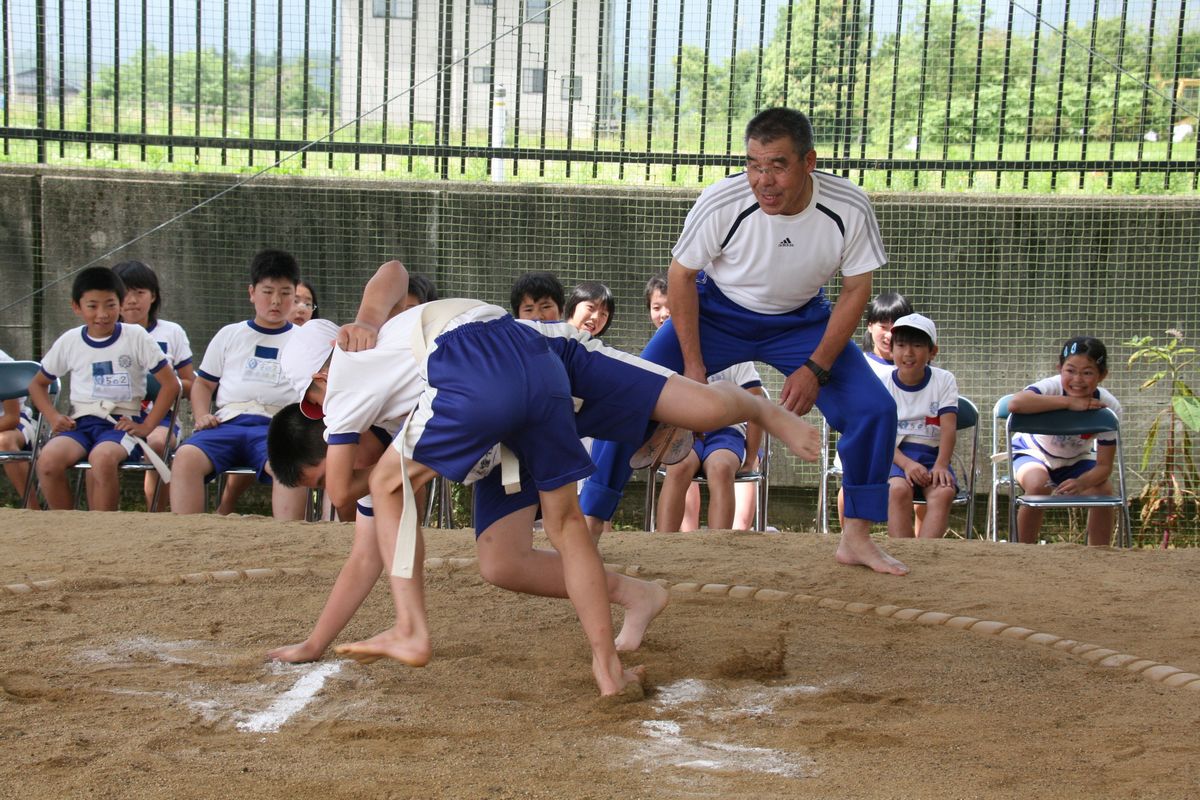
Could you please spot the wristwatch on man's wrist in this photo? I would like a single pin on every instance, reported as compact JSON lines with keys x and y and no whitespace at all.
{"x":823,"y":375}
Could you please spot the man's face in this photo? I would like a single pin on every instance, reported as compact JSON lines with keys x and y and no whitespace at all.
{"x":780,"y":179}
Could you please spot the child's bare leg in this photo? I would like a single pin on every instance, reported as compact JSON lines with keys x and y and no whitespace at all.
{"x":691,"y":509}
{"x":188,"y":471}
{"x":104,"y":478}
{"x":919,"y":512}
{"x":157,"y":440}
{"x":720,"y":468}
{"x":508,"y":559}
{"x":18,"y":476}
{"x":235,"y":487}
{"x":584,"y":575}
{"x":355,"y":581}
{"x":900,"y":498}
{"x":1101,"y":520}
{"x":857,"y":548}
{"x":672,"y":500}
{"x":706,"y":407}
{"x":1034,"y":479}
{"x":56,"y":457}
{"x":407,"y":641}
{"x":745,"y":500}
{"x":289,"y":503}
{"x":937,"y":511}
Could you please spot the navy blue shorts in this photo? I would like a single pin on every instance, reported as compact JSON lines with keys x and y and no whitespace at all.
{"x":721,"y":439}
{"x":91,"y":431}
{"x":1058,"y":474}
{"x":240,"y":442}
{"x":491,"y":382}
{"x":924,"y":455}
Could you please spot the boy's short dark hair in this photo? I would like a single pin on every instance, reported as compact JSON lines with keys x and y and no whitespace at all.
{"x":278,"y":264}
{"x":97,"y":279}
{"x":657,"y":283}
{"x":422,"y":288}
{"x":535,"y":286}
{"x":594,"y":292}
{"x":138,"y":275}
{"x":294,"y":442}
{"x":906,"y":335}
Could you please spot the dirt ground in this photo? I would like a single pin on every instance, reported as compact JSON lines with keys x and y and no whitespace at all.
{"x":119,"y":679}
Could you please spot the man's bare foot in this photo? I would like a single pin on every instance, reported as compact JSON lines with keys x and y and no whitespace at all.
{"x":644,"y":602}
{"x":857,"y":551}
{"x":295,"y":653}
{"x":409,"y":649}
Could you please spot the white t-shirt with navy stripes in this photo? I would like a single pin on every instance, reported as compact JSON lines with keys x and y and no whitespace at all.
{"x":919,"y":408}
{"x":243,"y":360}
{"x":1063,"y":451}
{"x":111,"y":370}
{"x":775,"y":263}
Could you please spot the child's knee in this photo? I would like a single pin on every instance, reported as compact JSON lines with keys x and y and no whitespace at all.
{"x":899,"y":490}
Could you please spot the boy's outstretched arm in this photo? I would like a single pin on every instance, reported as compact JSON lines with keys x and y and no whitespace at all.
{"x":343,"y":483}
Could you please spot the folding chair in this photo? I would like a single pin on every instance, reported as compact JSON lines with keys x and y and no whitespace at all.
{"x":14,"y":385}
{"x":968,"y":417}
{"x":831,"y":468}
{"x":998,"y":455}
{"x":439,"y":503}
{"x":142,"y":465}
{"x":761,"y":477}
{"x":1068,"y":423}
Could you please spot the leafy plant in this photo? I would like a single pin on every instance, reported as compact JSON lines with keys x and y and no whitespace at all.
{"x":1171,"y":486}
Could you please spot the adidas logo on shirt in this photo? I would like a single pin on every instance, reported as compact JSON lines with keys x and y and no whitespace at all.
{"x":786,"y":243}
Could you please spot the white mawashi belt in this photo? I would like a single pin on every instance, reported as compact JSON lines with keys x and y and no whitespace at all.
{"x":103,"y":409}
{"x":231,"y":410}
{"x":433,"y":319}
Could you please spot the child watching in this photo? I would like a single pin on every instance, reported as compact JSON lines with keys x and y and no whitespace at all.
{"x":537,"y":296}
{"x":656,"y":300}
{"x":16,"y":430}
{"x":305,"y":306}
{"x":143,"y":298}
{"x":1067,"y":464}
{"x":108,"y":363}
{"x":882,"y":313}
{"x":241,"y":368}
{"x":927,"y":412}
{"x":591,"y":308}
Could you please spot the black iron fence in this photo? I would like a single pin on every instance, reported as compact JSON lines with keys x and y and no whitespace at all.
{"x":1042,"y":95}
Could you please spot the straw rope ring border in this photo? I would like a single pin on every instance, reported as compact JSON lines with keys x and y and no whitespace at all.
{"x":1093,"y":654}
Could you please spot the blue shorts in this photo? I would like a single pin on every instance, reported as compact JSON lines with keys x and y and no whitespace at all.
{"x":1058,"y":474}
{"x":240,"y":442}
{"x":924,"y":455}
{"x":91,"y":431}
{"x":497,"y":381}
{"x":854,"y":402}
{"x":721,"y":439}
{"x":618,"y":404}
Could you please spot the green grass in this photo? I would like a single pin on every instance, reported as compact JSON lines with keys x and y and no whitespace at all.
{"x":582,"y":171}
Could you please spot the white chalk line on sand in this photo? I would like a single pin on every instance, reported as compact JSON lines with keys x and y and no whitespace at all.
{"x":1095,"y":654}
{"x":293,"y":700}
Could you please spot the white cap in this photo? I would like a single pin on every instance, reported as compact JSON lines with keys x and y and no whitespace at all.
{"x":305,"y":353}
{"x":919,"y":322}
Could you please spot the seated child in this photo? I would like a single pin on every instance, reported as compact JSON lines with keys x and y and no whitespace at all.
{"x":591,"y":308}
{"x":241,"y":369}
{"x":927,"y":415}
{"x":537,"y":296}
{"x":143,"y":298}
{"x":305,"y":305}
{"x":1067,"y":464}
{"x":108,"y":363}
{"x":460,"y":446}
{"x":16,"y":432}
{"x":657,"y":303}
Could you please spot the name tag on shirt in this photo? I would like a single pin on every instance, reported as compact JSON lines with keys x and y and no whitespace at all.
{"x":110,"y":384}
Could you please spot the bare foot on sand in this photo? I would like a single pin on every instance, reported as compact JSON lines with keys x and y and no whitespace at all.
{"x":406,"y":648}
{"x":862,"y":551}
{"x":643,"y":601}
{"x":295,"y":653}
{"x":618,"y":682}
